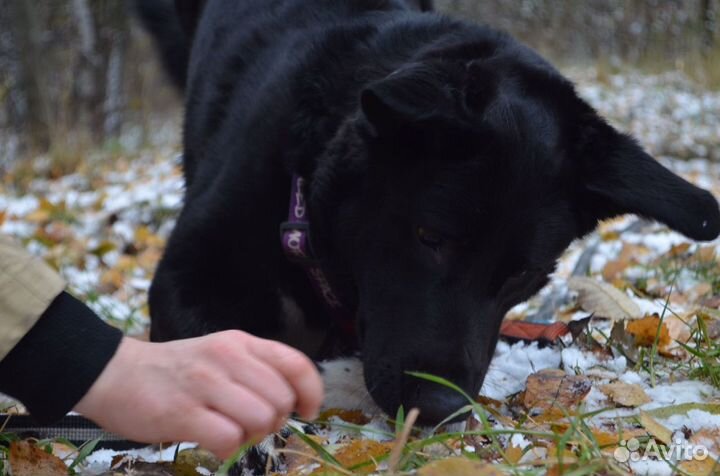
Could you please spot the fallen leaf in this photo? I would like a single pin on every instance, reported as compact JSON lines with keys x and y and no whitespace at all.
{"x":362,"y":451}
{"x":609,"y":441}
{"x":112,"y":280}
{"x":696,"y":467}
{"x":103,"y":248}
{"x":679,"y":249}
{"x":683,"y":408}
{"x":624,"y":342}
{"x":27,"y":459}
{"x":554,"y":388}
{"x":299,"y":453}
{"x":709,"y":438}
{"x":626,"y":394}
{"x":706,"y":254}
{"x":701,"y":289}
{"x":458,"y":467}
{"x":603,"y":300}
{"x":655,"y":428}
{"x":678,"y":329}
{"x":645,"y":331}
{"x":188,"y":460}
{"x":513,"y":454}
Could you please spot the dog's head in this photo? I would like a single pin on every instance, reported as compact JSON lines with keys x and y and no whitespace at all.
{"x":464,"y":177}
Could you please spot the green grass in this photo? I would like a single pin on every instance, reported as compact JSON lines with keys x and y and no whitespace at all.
{"x":705,"y":353}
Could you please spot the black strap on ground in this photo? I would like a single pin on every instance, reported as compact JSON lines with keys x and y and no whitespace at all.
{"x":75,"y":428}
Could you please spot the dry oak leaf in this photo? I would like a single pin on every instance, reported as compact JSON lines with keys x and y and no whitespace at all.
{"x":554,"y":388}
{"x":645,"y":331}
{"x":27,"y":459}
{"x":362,"y":454}
{"x":459,"y":467}
{"x":626,"y":394}
{"x":603,"y":300}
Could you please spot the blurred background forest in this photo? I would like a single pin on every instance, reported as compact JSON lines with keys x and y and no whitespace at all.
{"x":79,"y":75}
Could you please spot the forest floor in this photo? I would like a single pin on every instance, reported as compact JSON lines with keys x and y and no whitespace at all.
{"x":635,"y":389}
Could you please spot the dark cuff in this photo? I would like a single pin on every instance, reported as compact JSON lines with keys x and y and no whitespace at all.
{"x":56,"y":363}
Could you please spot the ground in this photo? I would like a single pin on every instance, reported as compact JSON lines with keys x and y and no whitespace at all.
{"x":633,"y":390}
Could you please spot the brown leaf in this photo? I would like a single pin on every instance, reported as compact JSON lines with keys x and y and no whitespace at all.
{"x":709,"y":438}
{"x":679,"y":249}
{"x":362,"y":451}
{"x":458,"y":467}
{"x":26,"y":459}
{"x":603,"y":300}
{"x":190,"y":459}
{"x":705,"y":254}
{"x":112,"y":280}
{"x":645,"y":330}
{"x":626,"y":394}
{"x":299,"y":455}
{"x":624,"y":342}
{"x":554,"y":388}
{"x":513,"y":454}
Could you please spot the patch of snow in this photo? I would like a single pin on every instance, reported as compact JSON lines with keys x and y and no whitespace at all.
{"x":595,"y":400}
{"x":631,"y":377}
{"x":695,"y":420}
{"x":99,"y":461}
{"x":651,"y":468}
{"x":511,"y":366}
{"x":689,"y":391}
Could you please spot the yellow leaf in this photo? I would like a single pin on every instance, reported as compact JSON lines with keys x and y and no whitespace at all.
{"x":705,"y":467}
{"x":513,"y":454}
{"x":626,"y":394}
{"x":644,"y":330}
{"x":458,"y":467}
{"x":657,"y":430}
{"x":362,"y":451}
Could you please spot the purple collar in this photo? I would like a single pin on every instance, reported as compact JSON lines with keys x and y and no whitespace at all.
{"x":295,"y":236}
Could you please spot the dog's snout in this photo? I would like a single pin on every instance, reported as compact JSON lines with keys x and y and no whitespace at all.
{"x":393,"y":383}
{"x":435,"y":401}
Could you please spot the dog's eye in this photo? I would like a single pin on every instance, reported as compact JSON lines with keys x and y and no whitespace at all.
{"x":430,"y":238}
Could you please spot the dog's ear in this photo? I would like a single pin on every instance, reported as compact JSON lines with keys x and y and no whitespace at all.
{"x":408,"y":99}
{"x":620,"y":177}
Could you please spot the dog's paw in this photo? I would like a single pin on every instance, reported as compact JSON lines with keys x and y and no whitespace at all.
{"x":345,"y":386}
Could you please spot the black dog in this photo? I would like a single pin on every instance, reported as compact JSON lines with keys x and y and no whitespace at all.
{"x":443,"y":166}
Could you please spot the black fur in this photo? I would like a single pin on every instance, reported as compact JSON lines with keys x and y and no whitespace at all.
{"x":400,"y":120}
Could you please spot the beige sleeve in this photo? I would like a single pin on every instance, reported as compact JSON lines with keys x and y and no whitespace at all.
{"x":27,"y":287}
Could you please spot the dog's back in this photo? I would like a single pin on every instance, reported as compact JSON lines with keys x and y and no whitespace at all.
{"x":250,"y":57}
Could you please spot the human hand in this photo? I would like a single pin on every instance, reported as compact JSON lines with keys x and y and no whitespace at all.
{"x":220,"y":390}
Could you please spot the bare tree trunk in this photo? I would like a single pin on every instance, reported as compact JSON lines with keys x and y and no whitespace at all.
{"x":115,"y":37}
{"x":88,"y":75}
{"x":32,"y":71}
{"x":114,"y":104}
{"x":708,"y":17}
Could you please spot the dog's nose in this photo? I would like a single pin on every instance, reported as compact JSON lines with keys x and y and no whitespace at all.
{"x":434,"y":401}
